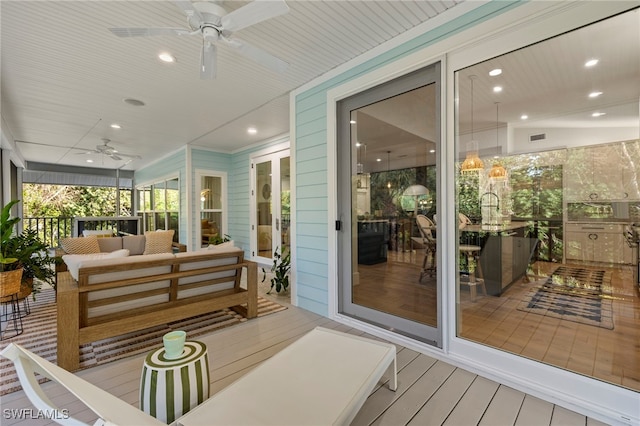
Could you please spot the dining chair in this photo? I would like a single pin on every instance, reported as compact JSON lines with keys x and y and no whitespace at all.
{"x":426,"y":228}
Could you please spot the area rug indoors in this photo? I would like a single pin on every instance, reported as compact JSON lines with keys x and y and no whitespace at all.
{"x":40,"y":336}
{"x":573,"y":294}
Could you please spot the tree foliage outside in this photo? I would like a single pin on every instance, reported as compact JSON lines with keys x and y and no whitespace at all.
{"x":73,"y":201}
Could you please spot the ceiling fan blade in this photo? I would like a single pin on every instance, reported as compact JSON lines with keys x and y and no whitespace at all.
{"x":208,"y":61}
{"x":148,"y":32}
{"x":188,"y":9}
{"x":115,"y":157}
{"x":254,"y":12}
{"x":257,"y":54}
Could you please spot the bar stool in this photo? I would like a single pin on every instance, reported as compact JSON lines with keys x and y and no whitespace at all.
{"x":472,"y":253}
{"x":10,"y":304}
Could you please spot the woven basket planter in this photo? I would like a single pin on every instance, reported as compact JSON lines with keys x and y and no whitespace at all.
{"x":10,"y":283}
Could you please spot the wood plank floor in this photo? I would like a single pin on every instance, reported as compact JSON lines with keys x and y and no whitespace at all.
{"x":430,"y":392}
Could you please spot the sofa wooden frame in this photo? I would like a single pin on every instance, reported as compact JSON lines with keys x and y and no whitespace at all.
{"x":75,"y":328}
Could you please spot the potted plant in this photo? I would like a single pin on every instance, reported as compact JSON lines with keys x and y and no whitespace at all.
{"x":281,"y":267}
{"x":25,"y":252}
{"x":10,"y":268}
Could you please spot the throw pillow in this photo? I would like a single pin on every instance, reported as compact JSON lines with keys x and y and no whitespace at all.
{"x":84,"y":245}
{"x":158,"y":242}
{"x":118,"y":253}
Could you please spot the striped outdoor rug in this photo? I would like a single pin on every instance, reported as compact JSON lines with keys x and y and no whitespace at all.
{"x":40,"y":336}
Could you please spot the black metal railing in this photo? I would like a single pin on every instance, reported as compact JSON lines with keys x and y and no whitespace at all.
{"x":50,"y":229}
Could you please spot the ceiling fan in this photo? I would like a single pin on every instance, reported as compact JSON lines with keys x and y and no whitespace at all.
{"x":109,"y":151}
{"x":211,"y":21}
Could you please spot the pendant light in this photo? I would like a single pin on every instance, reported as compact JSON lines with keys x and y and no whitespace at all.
{"x":388,"y":169}
{"x":497,"y":172}
{"x":472,"y":163}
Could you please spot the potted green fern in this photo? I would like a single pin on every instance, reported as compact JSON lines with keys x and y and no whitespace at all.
{"x":24,"y":252}
{"x":281,"y":267}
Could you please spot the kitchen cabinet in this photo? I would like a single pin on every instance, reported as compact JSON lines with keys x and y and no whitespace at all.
{"x":596,"y":242}
{"x":603,"y":172}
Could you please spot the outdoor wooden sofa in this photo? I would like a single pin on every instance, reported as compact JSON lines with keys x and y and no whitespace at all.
{"x":115,"y":296}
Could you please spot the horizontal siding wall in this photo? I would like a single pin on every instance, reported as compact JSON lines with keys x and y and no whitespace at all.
{"x":172,"y":165}
{"x":312,"y":265}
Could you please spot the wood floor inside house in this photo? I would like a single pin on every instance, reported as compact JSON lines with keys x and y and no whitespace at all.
{"x":609,"y":355}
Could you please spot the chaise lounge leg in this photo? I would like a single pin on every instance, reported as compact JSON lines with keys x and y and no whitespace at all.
{"x":68,"y":351}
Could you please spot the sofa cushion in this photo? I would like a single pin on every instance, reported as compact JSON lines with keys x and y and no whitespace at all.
{"x":108,"y":245}
{"x":84,"y":245}
{"x":134,"y":243}
{"x":158,"y":242}
{"x":73,"y":261}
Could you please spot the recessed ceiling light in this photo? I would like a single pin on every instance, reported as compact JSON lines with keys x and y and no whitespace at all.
{"x":432,"y":151}
{"x":524,"y":117}
{"x":116,"y":126}
{"x":378,"y":159}
{"x":89,"y":160}
{"x":133,"y":102}
{"x":166,"y":57}
{"x":591,"y":63}
{"x":358,"y":144}
{"x":252,"y":130}
{"x":598,"y":114}
{"x":352,"y":122}
{"x":497,"y":89}
{"x":594,"y":94}
{"x":495,"y":72}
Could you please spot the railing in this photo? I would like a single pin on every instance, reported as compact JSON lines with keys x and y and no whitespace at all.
{"x":50,"y":229}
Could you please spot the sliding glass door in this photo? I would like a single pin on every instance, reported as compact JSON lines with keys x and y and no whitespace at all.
{"x":388,"y":139}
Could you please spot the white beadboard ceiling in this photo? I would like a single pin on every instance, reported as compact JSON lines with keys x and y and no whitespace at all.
{"x":65,"y":75}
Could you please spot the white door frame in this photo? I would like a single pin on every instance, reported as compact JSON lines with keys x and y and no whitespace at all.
{"x":274,"y":154}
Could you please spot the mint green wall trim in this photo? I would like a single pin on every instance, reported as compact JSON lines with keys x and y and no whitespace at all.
{"x":311,"y":159}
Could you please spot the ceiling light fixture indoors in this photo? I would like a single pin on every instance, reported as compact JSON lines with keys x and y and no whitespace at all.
{"x":591,"y":63}
{"x":116,"y":126}
{"x":388,"y":169}
{"x":252,"y":130}
{"x":472,"y":163}
{"x":497,"y":172}
{"x":495,"y":72}
{"x":595,"y":94}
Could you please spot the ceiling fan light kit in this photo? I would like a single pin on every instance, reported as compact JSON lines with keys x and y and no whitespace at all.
{"x":215,"y":26}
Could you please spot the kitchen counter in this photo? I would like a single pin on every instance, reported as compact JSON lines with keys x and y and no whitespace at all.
{"x":505,"y":255}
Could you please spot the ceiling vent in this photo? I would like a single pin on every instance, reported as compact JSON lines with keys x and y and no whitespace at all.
{"x":538,"y":137}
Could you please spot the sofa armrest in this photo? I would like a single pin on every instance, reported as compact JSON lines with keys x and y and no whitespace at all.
{"x":181,"y":248}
